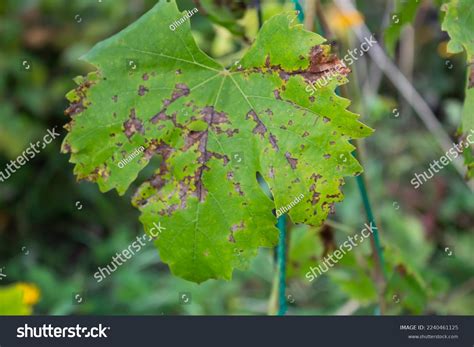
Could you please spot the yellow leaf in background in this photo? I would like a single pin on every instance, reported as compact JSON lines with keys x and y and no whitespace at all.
{"x":18,"y":298}
{"x":340,"y":22}
{"x":31,"y":293}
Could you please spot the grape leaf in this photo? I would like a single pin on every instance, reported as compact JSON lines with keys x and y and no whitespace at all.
{"x":459,"y":23}
{"x":214,"y":129}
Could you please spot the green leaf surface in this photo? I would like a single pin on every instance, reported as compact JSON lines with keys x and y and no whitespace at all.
{"x":214,"y":129}
{"x":459,"y":24}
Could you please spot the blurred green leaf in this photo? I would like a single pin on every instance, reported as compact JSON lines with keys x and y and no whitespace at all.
{"x":459,"y":24}
{"x":405,"y":12}
{"x":305,"y":250}
{"x":225,"y":13}
{"x":16,"y":131}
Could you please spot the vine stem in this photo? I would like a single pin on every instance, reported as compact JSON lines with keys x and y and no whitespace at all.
{"x":281,"y":252}
{"x":380,"y":275}
{"x":377,"y":252}
{"x":310,"y":10}
{"x":298,"y":8}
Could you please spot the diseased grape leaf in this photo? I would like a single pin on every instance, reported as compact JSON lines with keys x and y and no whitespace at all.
{"x":459,"y":23}
{"x":214,"y":129}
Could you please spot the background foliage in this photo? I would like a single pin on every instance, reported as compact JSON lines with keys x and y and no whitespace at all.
{"x":54,"y":232}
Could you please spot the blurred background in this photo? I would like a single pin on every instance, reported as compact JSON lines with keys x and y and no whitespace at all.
{"x":55,"y":232}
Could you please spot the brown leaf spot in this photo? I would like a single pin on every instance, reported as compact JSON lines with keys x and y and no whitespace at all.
{"x":238,"y":189}
{"x":267,"y":61}
{"x":273,"y":142}
{"x":237,"y":227}
{"x":219,"y":156}
{"x":231,"y":132}
{"x":79,"y":105}
{"x":260,"y":128}
{"x":292,"y":161}
{"x":133,"y":125}
{"x":471,"y":75}
{"x":66,"y":148}
{"x":269,"y":112}
{"x":276,"y":92}
{"x":212,"y":117}
{"x":271,"y":173}
{"x":284,"y":76}
{"x":158,"y":117}
{"x":142,"y":90}
{"x":181,"y":89}
{"x":192,"y":138}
